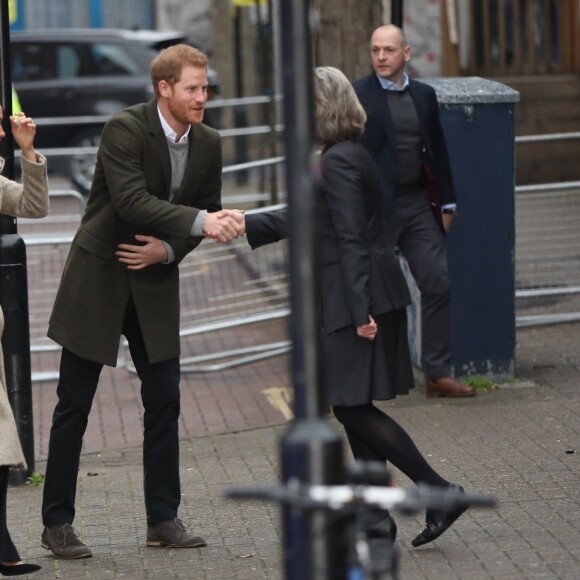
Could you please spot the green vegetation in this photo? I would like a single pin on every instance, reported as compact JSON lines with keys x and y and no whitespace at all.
{"x":480,"y":383}
{"x":35,"y":479}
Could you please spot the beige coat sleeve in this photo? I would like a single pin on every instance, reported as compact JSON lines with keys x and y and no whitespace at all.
{"x":29,"y":199}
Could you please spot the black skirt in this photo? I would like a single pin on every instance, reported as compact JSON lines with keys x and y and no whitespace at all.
{"x":358,"y":371}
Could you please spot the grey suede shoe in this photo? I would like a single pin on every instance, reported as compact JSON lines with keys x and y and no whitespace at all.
{"x":64,"y":542}
{"x":172,"y":534}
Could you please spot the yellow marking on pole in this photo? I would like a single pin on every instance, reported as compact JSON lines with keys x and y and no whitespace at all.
{"x":12,"y":11}
{"x":281,"y":398}
{"x":247,"y":2}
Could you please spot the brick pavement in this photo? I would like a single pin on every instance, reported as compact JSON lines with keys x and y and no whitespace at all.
{"x":210,"y":402}
{"x":512,"y":442}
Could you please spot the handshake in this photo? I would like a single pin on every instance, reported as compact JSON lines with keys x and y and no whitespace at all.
{"x":224,"y":225}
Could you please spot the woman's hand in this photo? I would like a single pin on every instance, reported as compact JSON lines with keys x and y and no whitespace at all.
{"x":24,"y":131}
{"x":368,"y":331}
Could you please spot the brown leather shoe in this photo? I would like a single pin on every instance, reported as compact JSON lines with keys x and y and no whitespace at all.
{"x":64,"y":542}
{"x":449,"y":387}
{"x":172,"y":534}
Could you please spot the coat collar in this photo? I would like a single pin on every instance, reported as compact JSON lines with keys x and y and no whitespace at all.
{"x":158,"y":135}
{"x":378,"y":99}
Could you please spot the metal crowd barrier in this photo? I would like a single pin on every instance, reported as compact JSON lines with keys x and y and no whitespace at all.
{"x":547,"y":259}
{"x":274,"y":128}
{"x":223,"y":286}
{"x":226,"y":286}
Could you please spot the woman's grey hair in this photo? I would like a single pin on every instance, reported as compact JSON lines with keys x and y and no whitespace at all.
{"x":338,"y":113}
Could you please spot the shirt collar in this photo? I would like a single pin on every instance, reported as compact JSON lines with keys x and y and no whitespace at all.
{"x":1,"y":164}
{"x":391,"y":86}
{"x":170,"y":133}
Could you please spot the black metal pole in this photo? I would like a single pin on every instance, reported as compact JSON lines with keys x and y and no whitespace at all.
{"x":271,"y":109}
{"x":311,"y":449}
{"x":13,"y":283}
{"x":397,"y":12}
{"x":240,"y":117}
{"x":302,"y":200}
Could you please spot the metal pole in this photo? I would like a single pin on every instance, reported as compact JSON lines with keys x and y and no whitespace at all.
{"x":240,"y":117}
{"x":276,"y":106}
{"x":302,"y":200}
{"x":13,"y":283}
{"x":397,"y":13}
{"x":314,"y":545}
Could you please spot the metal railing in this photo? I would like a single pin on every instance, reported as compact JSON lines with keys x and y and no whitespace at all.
{"x":222,"y":285}
{"x":274,"y":128}
{"x":549,"y":205}
{"x":242,"y":143}
{"x":547,"y":246}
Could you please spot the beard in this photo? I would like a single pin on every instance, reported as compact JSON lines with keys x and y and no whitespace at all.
{"x":184,"y":113}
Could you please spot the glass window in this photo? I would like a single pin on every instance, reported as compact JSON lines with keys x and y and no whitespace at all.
{"x":68,"y":62}
{"x":33,"y":62}
{"x":111,"y":59}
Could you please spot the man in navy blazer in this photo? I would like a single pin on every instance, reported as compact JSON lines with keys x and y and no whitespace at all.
{"x":404,"y":136}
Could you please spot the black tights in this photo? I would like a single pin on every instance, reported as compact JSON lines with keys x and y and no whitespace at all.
{"x":8,"y":552}
{"x":374,"y":436}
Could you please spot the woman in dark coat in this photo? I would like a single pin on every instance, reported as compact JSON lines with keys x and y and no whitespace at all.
{"x":363,"y":296}
{"x":29,"y":199}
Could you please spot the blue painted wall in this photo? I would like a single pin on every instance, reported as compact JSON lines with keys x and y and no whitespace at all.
{"x":16,"y":12}
{"x":88,"y":13}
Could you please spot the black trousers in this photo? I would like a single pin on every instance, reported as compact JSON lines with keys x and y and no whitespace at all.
{"x":76,"y":389}
{"x":8,"y":552}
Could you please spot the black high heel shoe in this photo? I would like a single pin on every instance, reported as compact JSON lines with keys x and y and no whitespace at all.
{"x":18,"y":569}
{"x":438,"y":521}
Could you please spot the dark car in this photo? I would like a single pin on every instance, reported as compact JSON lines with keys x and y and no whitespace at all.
{"x":84,"y":73}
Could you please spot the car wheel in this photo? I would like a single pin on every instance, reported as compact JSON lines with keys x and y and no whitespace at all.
{"x":81,"y":164}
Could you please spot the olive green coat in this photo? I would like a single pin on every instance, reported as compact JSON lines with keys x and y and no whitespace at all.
{"x":27,"y":200}
{"x":129,"y":196}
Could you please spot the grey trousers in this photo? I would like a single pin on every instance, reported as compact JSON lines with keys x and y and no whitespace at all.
{"x":413,"y":229}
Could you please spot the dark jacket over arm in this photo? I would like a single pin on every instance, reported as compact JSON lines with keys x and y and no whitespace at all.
{"x":358,"y":275}
{"x":266,"y":227}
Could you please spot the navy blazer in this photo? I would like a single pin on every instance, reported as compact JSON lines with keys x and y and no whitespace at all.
{"x":379,"y":138}
{"x":359,"y":273}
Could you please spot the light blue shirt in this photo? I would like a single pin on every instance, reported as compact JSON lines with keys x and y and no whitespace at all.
{"x":391,"y":86}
